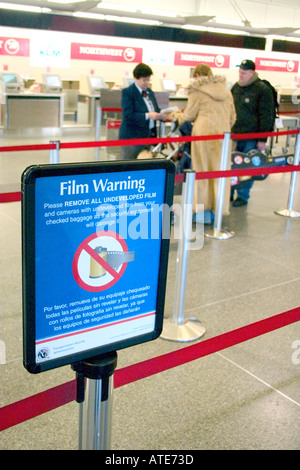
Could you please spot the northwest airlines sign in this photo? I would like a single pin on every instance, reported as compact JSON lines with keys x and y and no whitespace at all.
{"x":276,"y":65}
{"x":195,"y":58}
{"x":106,"y":53}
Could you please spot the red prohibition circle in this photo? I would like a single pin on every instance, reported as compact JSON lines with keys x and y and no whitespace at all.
{"x":84,"y":246}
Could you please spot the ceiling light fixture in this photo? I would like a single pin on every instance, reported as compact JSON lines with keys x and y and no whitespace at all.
{"x":132,"y":20}
{"x":10,"y":6}
{"x":91,"y":16}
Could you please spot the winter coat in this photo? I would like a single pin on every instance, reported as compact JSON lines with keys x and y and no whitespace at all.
{"x":210,"y":108}
{"x":254,"y":107}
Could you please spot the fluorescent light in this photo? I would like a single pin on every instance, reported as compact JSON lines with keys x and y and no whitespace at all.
{"x":90,"y":16}
{"x":214,"y":30}
{"x":194,"y":27}
{"x":131,"y":20}
{"x":228,"y":31}
{"x":10,"y":6}
{"x":113,"y":6}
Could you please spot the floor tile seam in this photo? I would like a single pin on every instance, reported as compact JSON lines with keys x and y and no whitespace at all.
{"x":259,"y":379}
{"x":266,"y":258}
{"x":273,"y":286}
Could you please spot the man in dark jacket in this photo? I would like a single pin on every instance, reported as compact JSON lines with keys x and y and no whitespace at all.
{"x":254,"y":106}
{"x":139,"y":112}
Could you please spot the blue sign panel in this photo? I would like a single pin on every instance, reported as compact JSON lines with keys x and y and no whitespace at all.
{"x":94,"y":258}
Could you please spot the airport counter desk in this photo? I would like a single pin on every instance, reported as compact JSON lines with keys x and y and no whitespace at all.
{"x":47,"y":110}
{"x":27,"y":110}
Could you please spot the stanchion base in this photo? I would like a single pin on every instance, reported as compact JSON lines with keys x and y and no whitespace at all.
{"x":189,"y":331}
{"x":288,"y":213}
{"x":218,"y":234}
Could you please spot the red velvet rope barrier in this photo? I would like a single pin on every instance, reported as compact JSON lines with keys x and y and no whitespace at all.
{"x":16,"y":196}
{"x":150,"y":141}
{"x":10,"y":197}
{"x":33,"y":406}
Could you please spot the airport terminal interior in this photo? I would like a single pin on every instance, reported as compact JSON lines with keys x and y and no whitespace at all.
{"x":244,"y":397}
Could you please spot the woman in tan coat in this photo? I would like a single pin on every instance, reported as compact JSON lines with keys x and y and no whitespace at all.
{"x":210,"y":108}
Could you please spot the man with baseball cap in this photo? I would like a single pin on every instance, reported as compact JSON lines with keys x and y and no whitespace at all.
{"x":254,"y":106}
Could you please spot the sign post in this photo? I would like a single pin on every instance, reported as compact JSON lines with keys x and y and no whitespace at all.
{"x":95,"y":393}
{"x":95,"y":240}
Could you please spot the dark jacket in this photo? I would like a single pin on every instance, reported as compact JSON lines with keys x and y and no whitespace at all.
{"x":134,"y":123}
{"x":254,"y":107}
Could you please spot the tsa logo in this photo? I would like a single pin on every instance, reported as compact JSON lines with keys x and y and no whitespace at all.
{"x":12,"y":46}
{"x":43,"y":354}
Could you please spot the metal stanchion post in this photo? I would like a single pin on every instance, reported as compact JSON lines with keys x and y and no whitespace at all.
{"x":289,"y":212}
{"x":54,"y":153}
{"x":98,"y":130}
{"x":217,"y":231}
{"x":94,"y":393}
{"x":177,"y":328}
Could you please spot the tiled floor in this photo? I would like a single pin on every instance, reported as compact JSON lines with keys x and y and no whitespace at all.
{"x":244,"y":397}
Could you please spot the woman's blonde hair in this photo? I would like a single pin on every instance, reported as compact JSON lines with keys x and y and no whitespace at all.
{"x":202,"y":70}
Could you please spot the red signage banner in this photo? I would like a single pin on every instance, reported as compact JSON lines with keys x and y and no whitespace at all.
{"x":14,"y":46}
{"x":107,"y":53}
{"x":276,"y":65}
{"x":193,"y":58}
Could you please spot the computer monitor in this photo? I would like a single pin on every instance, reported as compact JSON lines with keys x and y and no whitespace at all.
{"x":128,"y":81}
{"x":96,"y":84}
{"x":10,"y":81}
{"x":52,"y":83}
{"x":169,"y":85}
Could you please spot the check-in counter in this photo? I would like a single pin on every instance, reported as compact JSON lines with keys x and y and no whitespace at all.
{"x":91,"y":101}
{"x":289,"y":101}
{"x":32,"y":110}
{"x":179,"y":101}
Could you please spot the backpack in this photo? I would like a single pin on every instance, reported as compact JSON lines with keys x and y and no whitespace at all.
{"x":275,"y":98}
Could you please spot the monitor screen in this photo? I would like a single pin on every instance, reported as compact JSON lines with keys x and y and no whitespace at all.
{"x":9,"y":77}
{"x":169,"y":85}
{"x":96,"y":83}
{"x":53,"y":80}
{"x":128,"y":81}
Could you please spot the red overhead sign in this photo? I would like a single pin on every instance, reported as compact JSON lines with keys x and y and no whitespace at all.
{"x":107,"y":53}
{"x":193,"y":58}
{"x":14,"y":46}
{"x":276,"y":65}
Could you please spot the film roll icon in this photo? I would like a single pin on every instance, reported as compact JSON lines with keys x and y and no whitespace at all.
{"x":96,"y":270}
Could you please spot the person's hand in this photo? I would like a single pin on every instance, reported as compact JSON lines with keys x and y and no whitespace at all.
{"x":154,"y":115}
{"x":261,"y":145}
{"x":164,"y":117}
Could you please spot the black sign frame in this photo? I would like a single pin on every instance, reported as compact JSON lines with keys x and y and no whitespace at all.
{"x":29,"y":281}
